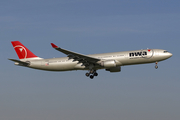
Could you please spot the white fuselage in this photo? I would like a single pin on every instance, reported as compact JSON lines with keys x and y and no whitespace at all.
{"x":120,"y":58}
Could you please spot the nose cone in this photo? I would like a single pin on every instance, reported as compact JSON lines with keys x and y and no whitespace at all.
{"x":169,"y":55}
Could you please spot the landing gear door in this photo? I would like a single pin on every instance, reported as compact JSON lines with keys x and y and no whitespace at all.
{"x":148,"y":53}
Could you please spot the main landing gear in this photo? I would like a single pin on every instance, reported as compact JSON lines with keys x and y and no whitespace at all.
{"x":91,"y":74}
{"x":156,"y":65}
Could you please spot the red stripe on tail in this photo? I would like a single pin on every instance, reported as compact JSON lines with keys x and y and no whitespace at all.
{"x":22,"y":51}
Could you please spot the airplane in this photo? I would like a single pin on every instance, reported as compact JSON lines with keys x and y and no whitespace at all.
{"x":111,"y":62}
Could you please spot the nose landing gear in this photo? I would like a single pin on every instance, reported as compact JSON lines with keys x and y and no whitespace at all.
{"x":156,"y":65}
{"x":91,"y":74}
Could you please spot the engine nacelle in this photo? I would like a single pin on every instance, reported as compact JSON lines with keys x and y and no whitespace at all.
{"x":114,"y":69}
{"x":108,"y":64}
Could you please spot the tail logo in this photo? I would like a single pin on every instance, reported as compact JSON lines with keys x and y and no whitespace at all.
{"x":21,"y":50}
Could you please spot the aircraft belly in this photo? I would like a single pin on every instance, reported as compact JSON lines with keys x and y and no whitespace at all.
{"x":61,"y":66}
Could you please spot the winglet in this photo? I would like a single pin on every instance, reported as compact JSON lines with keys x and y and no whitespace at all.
{"x":54,"y":46}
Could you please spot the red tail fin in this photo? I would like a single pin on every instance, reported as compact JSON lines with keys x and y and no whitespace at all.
{"x":22,"y":51}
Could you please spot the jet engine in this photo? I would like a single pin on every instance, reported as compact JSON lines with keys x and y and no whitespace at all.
{"x":108,"y":64}
{"x":114,"y":69}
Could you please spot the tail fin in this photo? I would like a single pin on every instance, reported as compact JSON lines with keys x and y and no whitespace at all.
{"x":22,"y":52}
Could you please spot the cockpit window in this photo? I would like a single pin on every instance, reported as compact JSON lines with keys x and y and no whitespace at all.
{"x":165,"y":51}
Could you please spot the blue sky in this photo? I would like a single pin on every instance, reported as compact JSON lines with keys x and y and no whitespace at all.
{"x":88,"y":27}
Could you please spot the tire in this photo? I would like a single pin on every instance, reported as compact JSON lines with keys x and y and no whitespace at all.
{"x":156,"y":67}
{"x":91,"y":76}
{"x":95,"y":74}
{"x":87,"y":74}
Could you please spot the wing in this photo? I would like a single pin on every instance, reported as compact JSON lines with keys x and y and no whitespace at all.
{"x":86,"y":60}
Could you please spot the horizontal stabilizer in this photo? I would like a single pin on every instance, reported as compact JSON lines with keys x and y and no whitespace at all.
{"x":17,"y":62}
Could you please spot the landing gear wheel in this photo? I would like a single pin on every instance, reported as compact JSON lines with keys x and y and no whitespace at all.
{"x":91,"y":76}
{"x":95,"y":74}
{"x":87,"y":74}
{"x":156,"y":67}
{"x":91,"y":73}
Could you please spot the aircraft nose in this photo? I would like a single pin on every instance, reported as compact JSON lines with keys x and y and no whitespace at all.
{"x":169,"y":55}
